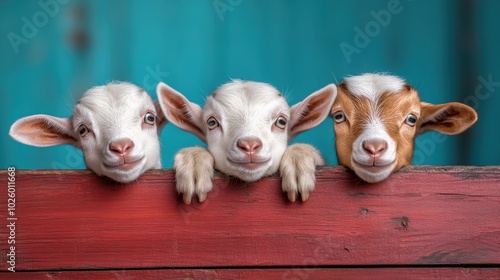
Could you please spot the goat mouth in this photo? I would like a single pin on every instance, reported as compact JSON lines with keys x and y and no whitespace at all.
{"x":124,"y":164}
{"x":373,"y":168}
{"x":249,"y":164}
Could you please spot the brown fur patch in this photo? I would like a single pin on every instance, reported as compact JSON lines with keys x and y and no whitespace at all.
{"x":392,"y":108}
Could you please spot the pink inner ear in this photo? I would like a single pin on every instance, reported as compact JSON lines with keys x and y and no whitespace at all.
{"x":313,"y":110}
{"x":192,"y":119}
{"x":179,"y":111}
{"x":448,"y":118}
{"x":42,"y":131}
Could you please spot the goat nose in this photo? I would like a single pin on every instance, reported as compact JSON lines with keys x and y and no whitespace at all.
{"x":249,"y":145}
{"x":121,"y":147}
{"x":375,"y":147}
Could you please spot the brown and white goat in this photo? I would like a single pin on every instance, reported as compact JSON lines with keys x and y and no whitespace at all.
{"x":376,"y":118}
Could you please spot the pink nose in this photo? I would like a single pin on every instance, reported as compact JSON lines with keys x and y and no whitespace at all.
{"x":249,"y":145}
{"x":375,"y":147}
{"x":121,"y":147}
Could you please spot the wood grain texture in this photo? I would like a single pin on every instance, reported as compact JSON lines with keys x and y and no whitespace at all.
{"x":262,"y":274}
{"x":420,"y":216}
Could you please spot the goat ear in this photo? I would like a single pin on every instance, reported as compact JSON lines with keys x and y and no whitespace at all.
{"x":312,"y":110}
{"x":448,"y":118}
{"x":161,"y":120}
{"x":43,"y":131}
{"x":180,"y":111}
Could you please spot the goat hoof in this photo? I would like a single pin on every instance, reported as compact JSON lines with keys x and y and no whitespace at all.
{"x":187,"y":198}
{"x":304,"y":196}
{"x":202,"y":197}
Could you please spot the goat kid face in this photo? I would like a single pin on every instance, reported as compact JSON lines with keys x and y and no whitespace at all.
{"x":115,"y":125}
{"x":377,"y":118}
{"x":246,"y":125}
{"x":246,"y":130}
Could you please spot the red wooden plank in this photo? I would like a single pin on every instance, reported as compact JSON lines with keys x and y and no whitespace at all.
{"x":261,"y":274}
{"x":420,"y":216}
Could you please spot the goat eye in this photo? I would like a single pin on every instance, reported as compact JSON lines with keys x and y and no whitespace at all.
{"x":339,"y":117}
{"x":149,"y":118}
{"x":83,"y":130}
{"x":280,"y":122}
{"x":411,"y":120}
{"x":212,"y":123}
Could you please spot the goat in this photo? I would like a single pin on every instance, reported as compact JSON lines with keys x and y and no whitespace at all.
{"x":246,"y":126}
{"x":376,"y":119}
{"x":116,"y":126}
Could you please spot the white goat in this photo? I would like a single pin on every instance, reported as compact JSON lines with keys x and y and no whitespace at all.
{"x":246,"y":126}
{"x":377,"y":118}
{"x":116,"y":126}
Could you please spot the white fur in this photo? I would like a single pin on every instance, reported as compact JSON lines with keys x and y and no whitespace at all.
{"x":246,"y":111}
{"x":372,"y":86}
{"x":297,"y":169}
{"x":194,"y":169}
{"x":367,"y":167}
{"x":113,"y":113}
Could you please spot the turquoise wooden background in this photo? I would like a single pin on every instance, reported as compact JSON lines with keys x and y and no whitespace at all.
{"x":449,"y":50}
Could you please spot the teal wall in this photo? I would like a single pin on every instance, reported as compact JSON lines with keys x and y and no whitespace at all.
{"x":446,"y":49}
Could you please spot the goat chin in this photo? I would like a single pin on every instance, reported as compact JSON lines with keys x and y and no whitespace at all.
{"x":373,"y":174}
{"x":249,"y":172}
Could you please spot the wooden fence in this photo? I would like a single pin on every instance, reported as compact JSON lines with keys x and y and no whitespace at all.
{"x":423,"y":222}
